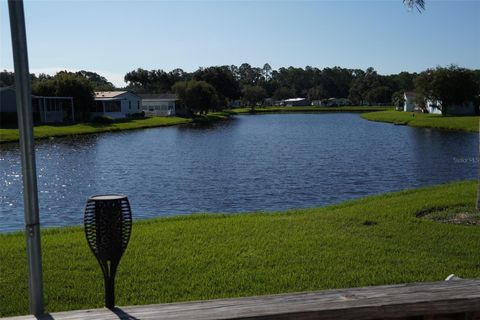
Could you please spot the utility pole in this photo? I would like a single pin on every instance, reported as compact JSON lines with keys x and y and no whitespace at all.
{"x":25,"y":126}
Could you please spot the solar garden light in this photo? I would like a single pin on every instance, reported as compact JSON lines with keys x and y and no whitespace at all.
{"x":108,"y":223}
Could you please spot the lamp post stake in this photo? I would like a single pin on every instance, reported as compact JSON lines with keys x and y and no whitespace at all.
{"x":25,"y":125}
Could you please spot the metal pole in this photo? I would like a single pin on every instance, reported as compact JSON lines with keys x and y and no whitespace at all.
{"x":25,"y":125}
{"x":73,"y":111}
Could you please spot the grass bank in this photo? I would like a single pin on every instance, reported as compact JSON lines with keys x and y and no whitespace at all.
{"x":47,"y":131}
{"x":461,"y":123}
{"x":372,"y":241}
{"x":310,"y":109}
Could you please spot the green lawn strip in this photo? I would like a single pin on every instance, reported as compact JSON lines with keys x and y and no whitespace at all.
{"x":46,"y":131}
{"x":371,"y":241}
{"x":462,"y":123}
{"x":311,"y":109}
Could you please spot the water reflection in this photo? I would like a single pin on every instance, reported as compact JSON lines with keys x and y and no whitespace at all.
{"x":263,"y":162}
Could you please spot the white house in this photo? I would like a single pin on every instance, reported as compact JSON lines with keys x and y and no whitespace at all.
{"x":409,"y":104}
{"x":115,"y":104}
{"x":332,"y":102}
{"x":467,"y":108}
{"x":294,"y":102}
{"x":163,"y":105}
{"x":434,"y":107}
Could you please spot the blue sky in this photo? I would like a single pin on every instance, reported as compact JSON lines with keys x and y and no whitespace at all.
{"x":114,"y":37}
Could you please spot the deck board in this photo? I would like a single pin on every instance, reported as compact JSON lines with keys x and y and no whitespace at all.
{"x":392,"y":301}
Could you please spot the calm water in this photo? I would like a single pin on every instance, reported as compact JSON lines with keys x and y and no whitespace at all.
{"x":252,"y":163}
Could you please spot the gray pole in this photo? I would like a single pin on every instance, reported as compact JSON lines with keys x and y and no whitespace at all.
{"x":25,"y":125}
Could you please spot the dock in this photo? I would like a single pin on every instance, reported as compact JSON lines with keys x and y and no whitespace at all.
{"x":456,"y":299}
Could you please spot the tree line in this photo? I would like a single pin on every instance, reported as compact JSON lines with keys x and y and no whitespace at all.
{"x":215,"y":88}
{"x":251,"y":84}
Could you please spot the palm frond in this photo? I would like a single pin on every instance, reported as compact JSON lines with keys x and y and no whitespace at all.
{"x":418,"y":4}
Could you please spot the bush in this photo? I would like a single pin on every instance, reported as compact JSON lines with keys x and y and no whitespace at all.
{"x":8,"y":120}
{"x":138,"y":115}
{"x":103,"y":120}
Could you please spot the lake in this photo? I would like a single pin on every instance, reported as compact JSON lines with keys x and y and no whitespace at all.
{"x":251,"y":163}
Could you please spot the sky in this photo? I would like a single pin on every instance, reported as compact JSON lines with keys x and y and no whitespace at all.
{"x":115,"y":37}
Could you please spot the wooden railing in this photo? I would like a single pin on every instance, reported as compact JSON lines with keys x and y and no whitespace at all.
{"x":458,"y":299}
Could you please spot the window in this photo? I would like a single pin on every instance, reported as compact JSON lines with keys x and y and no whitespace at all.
{"x":129,"y":105}
{"x":113,"y":106}
{"x":97,"y":107}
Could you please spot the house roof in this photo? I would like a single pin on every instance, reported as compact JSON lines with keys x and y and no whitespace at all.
{"x":108,"y":94}
{"x":7,"y":88}
{"x":295,"y":99}
{"x":111,"y":94}
{"x":159,"y":96}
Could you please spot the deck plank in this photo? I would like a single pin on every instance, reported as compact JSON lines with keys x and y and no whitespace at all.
{"x":391,"y":301}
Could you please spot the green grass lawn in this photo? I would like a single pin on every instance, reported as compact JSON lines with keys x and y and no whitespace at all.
{"x":46,"y":131}
{"x":311,"y":109}
{"x":463,"y":123}
{"x":372,"y":241}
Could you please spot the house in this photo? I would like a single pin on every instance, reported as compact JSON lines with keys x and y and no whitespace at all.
{"x":434,"y":107}
{"x":332,"y":102}
{"x":45,"y":109}
{"x":163,"y":105}
{"x":115,"y":104}
{"x":296,"y":102}
{"x":235,"y":103}
{"x":467,"y":108}
{"x":409,"y":104}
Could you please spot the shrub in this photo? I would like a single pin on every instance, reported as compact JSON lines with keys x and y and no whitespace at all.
{"x":103,"y":119}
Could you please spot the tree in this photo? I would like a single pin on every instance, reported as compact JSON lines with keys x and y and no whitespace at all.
{"x":154,"y":81}
{"x":68,"y":84}
{"x":98,"y":82}
{"x":381,"y":94}
{"x":137,"y":78}
{"x":267,"y":71}
{"x":449,"y":86}
{"x":6,"y":78}
{"x":253,"y":95}
{"x":197,"y":96}
{"x":318,"y":93}
{"x":282,"y":93}
{"x":398,"y":100}
{"x":223,"y":80}
{"x":249,"y":75}
{"x":403,"y":81}
{"x":418,"y":4}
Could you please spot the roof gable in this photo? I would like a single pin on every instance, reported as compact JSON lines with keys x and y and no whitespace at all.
{"x":159,"y":96}
{"x":112,"y":94}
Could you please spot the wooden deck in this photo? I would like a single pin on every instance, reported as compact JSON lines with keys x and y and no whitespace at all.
{"x":459,"y":299}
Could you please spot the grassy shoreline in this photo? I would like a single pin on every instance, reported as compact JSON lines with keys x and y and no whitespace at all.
{"x":47,"y":131}
{"x":458,"y":123}
{"x":380,"y":114}
{"x":370,"y":241}
{"x":308,"y":109}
